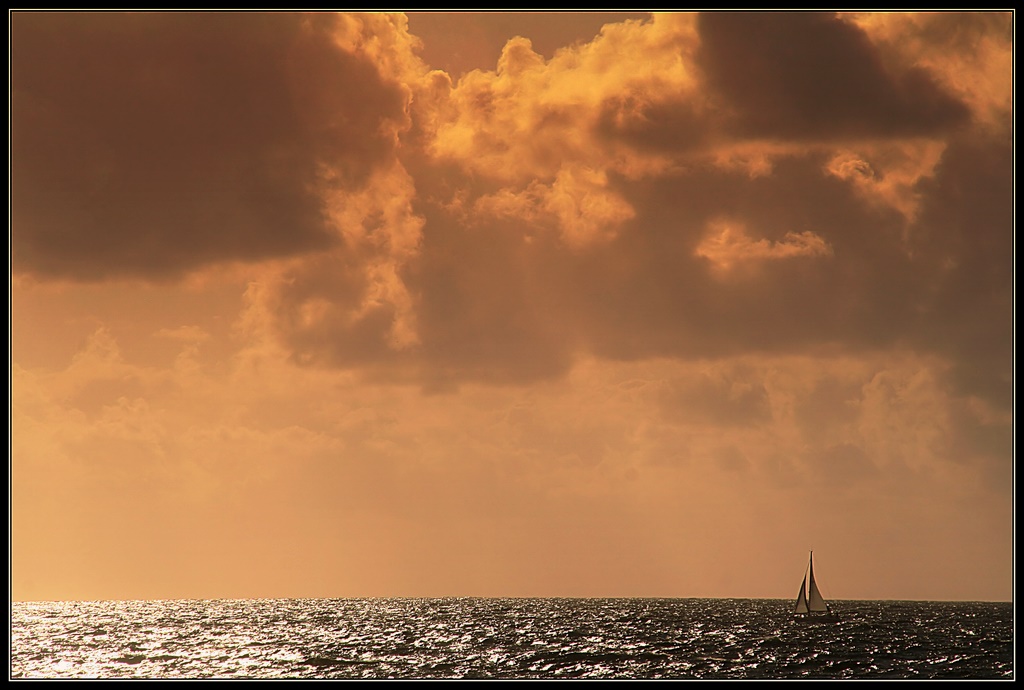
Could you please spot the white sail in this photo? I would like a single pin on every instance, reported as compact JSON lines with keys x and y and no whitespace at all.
{"x":810,"y":600}
{"x":815,"y":602}
{"x":801,"y":600}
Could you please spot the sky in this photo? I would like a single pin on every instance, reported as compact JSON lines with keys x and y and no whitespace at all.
{"x":511,"y":305}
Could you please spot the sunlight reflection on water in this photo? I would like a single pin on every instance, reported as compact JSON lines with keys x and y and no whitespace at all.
{"x":507,"y":638}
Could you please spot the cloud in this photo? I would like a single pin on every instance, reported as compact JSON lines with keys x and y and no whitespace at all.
{"x":565,"y":202}
{"x":519,"y":122}
{"x":150,"y":144}
{"x":603,"y":415}
{"x":966,"y":239}
{"x":185,"y":334}
{"x":481,"y":35}
{"x":728,"y":244}
{"x":888,"y":175}
{"x":969,"y":53}
{"x":809,"y":75}
{"x":578,"y":203}
{"x":724,"y":395}
{"x":612,"y":452}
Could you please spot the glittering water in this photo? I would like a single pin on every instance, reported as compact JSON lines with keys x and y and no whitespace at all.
{"x":508,"y":638}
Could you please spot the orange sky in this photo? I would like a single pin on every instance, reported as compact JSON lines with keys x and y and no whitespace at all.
{"x":511,"y":305}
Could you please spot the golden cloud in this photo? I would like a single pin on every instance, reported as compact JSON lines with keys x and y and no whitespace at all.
{"x":728,"y":244}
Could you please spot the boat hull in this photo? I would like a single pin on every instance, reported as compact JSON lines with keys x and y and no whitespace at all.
{"x":815,"y":617}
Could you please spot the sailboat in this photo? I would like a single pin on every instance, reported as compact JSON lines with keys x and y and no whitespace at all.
{"x":809,"y":601}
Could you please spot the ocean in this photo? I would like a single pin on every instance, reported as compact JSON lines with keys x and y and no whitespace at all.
{"x":508,"y":639}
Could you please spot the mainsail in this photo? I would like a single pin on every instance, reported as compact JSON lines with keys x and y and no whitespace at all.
{"x":815,"y":602}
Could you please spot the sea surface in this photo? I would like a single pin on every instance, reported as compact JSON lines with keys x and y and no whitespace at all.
{"x":508,"y":638}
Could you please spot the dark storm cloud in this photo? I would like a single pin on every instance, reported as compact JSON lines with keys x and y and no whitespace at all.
{"x":148,"y":144}
{"x":965,"y":32}
{"x":890,"y":260}
{"x":805,"y":75}
{"x":649,"y":294}
{"x":966,"y":237}
{"x":502,"y":300}
{"x":663,"y":123}
{"x":483,"y":310}
{"x":493,"y":306}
